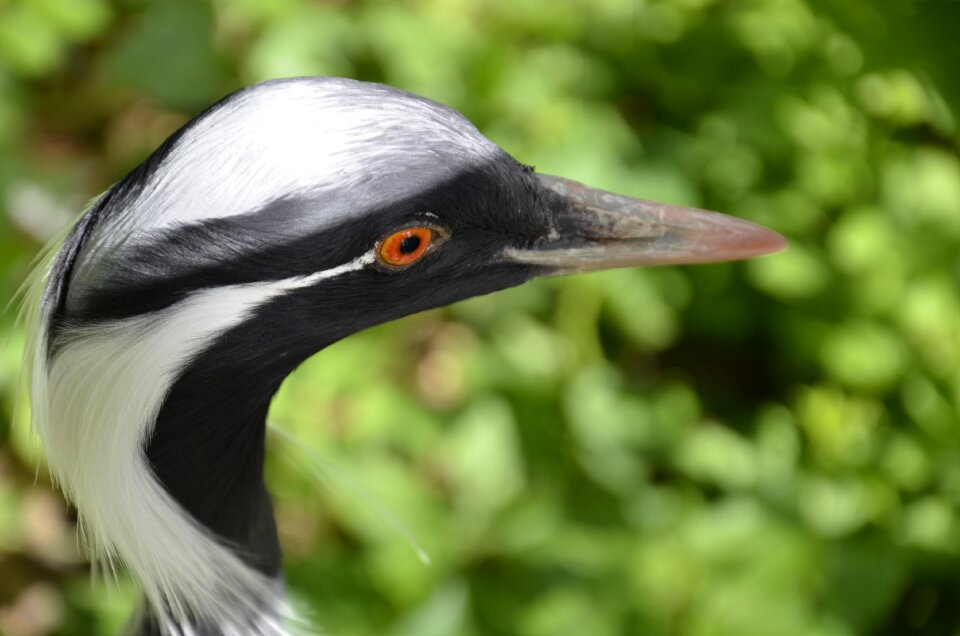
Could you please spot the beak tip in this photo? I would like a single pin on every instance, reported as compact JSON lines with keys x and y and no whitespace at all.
{"x":765,"y":242}
{"x":729,"y":238}
{"x":779,"y":245}
{"x":714,"y":237}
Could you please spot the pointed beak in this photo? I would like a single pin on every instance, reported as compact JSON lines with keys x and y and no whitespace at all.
{"x":593,"y":229}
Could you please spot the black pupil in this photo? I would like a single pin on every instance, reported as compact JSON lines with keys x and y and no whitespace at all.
{"x":410,"y":244}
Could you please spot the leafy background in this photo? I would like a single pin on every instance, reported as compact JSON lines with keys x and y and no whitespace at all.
{"x":761,"y":448}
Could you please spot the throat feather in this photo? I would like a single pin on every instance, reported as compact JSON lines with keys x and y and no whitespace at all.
{"x":104,"y":396}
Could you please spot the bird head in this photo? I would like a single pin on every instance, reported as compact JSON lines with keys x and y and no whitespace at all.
{"x":371,"y":203}
{"x":287,"y":216}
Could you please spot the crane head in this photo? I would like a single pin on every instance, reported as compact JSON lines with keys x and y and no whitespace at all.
{"x":289,"y":215}
{"x":292,"y":178}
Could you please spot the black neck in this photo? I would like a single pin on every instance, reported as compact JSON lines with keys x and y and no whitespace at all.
{"x":210,"y":459}
{"x":207,"y":447}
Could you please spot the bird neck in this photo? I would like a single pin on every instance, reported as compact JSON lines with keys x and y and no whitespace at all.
{"x":207,"y":450}
{"x":209,"y":457}
{"x":208,"y":445}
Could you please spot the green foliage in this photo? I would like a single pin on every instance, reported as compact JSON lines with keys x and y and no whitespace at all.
{"x":734,"y":449}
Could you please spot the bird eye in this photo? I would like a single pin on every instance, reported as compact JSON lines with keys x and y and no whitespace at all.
{"x":406,"y":246}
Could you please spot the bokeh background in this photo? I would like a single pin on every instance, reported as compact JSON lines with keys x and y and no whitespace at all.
{"x":769,"y":447}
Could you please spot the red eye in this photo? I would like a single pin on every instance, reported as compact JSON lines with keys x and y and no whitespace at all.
{"x":406,"y":246}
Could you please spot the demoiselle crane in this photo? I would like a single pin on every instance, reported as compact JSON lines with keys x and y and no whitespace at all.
{"x":287,"y":216}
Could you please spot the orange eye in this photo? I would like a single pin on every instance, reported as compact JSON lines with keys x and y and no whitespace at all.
{"x":406,"y":246}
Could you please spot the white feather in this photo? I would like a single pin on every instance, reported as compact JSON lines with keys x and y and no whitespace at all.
{"x":94,"y":404}
{"x":292,"y":137}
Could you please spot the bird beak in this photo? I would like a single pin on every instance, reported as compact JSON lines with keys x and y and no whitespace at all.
{"x":593,"y":229}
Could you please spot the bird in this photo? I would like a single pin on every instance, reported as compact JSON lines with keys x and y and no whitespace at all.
{"x":285,"y":217}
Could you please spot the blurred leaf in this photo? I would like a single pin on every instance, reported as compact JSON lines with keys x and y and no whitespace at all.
{"x":794,"y":274}
{"x":188,"y":73}
{"x":864,"y":356}
{"x":482,"y":456}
